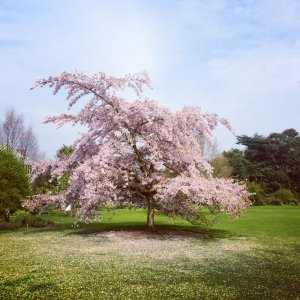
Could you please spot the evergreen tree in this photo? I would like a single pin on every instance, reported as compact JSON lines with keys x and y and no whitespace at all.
{"x":274,"y":161}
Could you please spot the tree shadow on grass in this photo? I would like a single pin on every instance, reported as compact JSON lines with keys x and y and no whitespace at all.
{"x":85,"y":229}
{"x":69,"y":226}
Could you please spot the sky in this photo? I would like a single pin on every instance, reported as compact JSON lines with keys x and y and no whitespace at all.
{"x":239,"y":59}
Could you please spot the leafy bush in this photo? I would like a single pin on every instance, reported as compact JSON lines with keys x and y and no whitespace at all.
{"x":257,"y":197}
{"x":24,"y":218}
{"x":20,"y":217}
{"x":284,"y":196}
{"x":8,"y":226}
{"x":276,"y":202}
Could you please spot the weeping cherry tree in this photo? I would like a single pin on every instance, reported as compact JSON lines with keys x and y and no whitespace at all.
{"x":136,"y":152}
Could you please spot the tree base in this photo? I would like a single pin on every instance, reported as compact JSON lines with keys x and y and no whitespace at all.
{"x":151,"y":229}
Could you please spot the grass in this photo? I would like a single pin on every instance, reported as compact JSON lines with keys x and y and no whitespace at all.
{"x":254,"y":257}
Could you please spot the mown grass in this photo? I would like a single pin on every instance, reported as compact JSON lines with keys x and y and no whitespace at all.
{"x":254,"y":257}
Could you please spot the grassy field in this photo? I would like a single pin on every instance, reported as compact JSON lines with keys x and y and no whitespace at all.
{"x":254,"y":257}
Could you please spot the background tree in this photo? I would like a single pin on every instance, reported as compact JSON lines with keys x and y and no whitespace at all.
{"x":220,"y":163}
{"x":129,"y":147}
{"x":274,"y":161}
{"x":258,"y":195}
{"x":15,"y":135}
{"x":239,"y":164}
{"x":64,"y":152}
{"x":209,"y":149}
{"x":43,"y":182}
{"x":14,"y":184}
{"x":221,"y":166}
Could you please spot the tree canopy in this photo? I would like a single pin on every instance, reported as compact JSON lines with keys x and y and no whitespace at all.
{"x":221,"y":166}
{"x":14,"y":183}
{"x":137,"y":152}
{"x":274,"y":161}
{"x":238,"y":162}
{"x":64,"y":152}
{"x":43,"y":182}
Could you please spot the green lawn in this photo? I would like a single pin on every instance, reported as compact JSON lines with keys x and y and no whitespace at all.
{"x":254,"y":257}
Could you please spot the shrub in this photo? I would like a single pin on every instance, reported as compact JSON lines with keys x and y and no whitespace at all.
{"x":20,"y":217}
{"x":285,"y":196}
{"x":257,"y":197}
{"x":24,"y":218}
{"x":276,"y":202}
{"x":8,"y":226}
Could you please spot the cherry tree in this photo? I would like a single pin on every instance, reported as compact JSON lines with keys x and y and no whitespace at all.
{"x":136,"y":153}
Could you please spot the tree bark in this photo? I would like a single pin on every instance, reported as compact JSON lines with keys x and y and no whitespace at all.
{"x":150,"y":215}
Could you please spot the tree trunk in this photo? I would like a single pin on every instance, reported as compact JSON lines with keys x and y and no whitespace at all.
{"x":150,"y":215}
{"x":6,"y":216}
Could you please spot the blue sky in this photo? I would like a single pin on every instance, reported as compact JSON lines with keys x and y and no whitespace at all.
{"x":240,"y":59}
